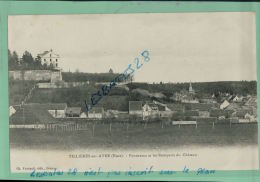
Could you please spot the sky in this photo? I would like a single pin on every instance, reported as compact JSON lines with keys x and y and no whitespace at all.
{"x":183,"y":47}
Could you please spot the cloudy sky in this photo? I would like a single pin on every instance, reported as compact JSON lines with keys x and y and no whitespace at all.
{"x":183,"y":46}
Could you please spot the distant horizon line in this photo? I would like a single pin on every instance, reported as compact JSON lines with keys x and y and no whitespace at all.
{"x":200,"y":81}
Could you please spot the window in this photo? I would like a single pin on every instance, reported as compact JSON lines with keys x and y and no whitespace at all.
{"x":50,"y":60}
{"x":56,"y":60}
{"x":44,"y":60}
{"x":56,"y":64}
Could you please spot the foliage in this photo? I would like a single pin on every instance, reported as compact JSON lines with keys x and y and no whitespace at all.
{"x":27,"y":62}
{"x":201,"y":88}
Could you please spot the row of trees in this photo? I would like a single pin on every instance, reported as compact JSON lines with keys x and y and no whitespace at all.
{"x":201,"y":88}
{"x":26,"y":62}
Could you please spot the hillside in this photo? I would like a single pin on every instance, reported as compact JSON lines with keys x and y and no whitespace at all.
{"x":201,"y":88}
{"x":117,"y":99}
{"x":119,"y":96}
{"x":18,"y":91}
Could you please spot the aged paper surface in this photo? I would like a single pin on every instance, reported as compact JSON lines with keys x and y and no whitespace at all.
{"x":155,"y":91}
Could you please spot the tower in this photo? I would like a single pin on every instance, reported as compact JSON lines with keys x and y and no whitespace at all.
{"x":191,"y":91}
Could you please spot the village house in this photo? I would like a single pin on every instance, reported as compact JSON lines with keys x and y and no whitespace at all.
{"x":73,"y":112}
{"x":234,"y":106}
{"x":50,"y":58}
{"x":96,"y":113}
{"x":150,"y":109}
{"x":237,"y":99}
{"x":208,"y":99}
{"x":186,"y":96}
{"x":12,"y":110}
{"x":57,"y":110}
{"x":224,"y":105}
{"x":164,"y":110}
{"x":252,"y":101}
{"x":250,"y":117}
{"x":83,"y":115}
{"x":156,"y":109}
{"x":242,"y":113}
{"x":116,"y":114}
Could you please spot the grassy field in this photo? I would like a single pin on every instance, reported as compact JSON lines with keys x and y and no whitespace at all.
{"x":76,"y":97}
{"x":18,"y":90}
{"x":137,"y":137}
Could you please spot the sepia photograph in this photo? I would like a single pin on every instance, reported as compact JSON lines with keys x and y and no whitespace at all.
{"x":130,"y":90}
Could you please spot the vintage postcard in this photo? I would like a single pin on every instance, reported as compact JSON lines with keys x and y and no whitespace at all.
{"x":133,"y":92}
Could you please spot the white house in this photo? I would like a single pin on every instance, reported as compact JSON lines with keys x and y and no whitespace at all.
{"x":57,"y":110}
{"x":237,"y":99}
{"x":83,"y":115}
{"x":50,"y":57}
{"x":96,"y":113}
{"x":11,"y":110}
{"x":224,"y":105}
{"x":150,"y":109}
{"x":250,"y":117}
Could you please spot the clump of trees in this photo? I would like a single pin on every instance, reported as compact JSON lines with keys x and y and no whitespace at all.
{"x":201,"y":88}
{"x":26,"y":62}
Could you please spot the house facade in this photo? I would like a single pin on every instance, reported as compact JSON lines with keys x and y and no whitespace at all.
{"x":73,"y":112}
{"x":57,"y":110}
{"x":224,"y":105}
{"x":150,"y":110}
{"x":96,"y":113}
{"x":11,"y":110}
{"x":50,"y":58}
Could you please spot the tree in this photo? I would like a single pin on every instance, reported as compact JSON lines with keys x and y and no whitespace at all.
{"x":51,"y":67}
{"x":38,"y":63}
{"x":10,"y":60}
{"x":16,"y":60}
{"x":45,"y":66}
{"x":27,"y":60}
{"x":13,"y":60}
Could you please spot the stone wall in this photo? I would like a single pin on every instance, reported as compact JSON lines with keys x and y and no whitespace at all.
{"x":39,"y":75}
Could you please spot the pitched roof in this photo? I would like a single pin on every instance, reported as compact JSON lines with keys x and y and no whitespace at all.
{"x":242,"y":113}
{"x":233,"y":106}
{"x":135,"y":105}
{"x":73,"y":110}
{"x":44,"y":53}
{"x":48,"y":52}
{"x":252,"y":102}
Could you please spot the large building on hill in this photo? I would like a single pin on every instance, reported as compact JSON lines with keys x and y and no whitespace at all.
{"x":50,"y":58}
